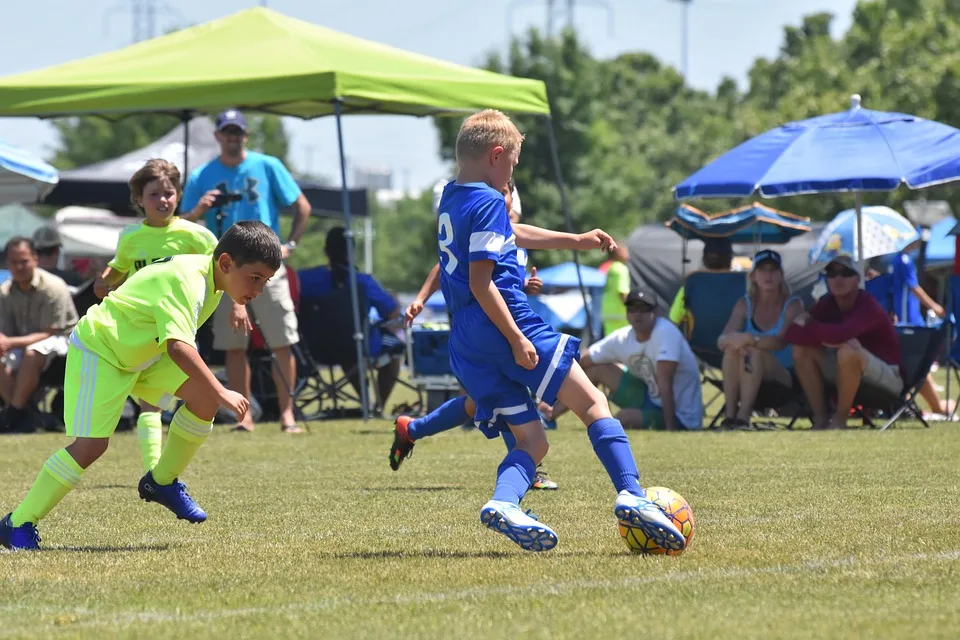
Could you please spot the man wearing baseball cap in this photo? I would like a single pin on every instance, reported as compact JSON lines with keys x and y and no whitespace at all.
{"x":237,"y":185}
{"x":47,"y":242}
{"x":648,"y":367}
{"x":847,"y":338}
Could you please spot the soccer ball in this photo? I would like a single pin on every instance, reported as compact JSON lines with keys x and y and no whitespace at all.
{"x":676,"y":509}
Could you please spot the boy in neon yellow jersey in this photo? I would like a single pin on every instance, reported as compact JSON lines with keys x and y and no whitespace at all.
{"x":140,"y":341}
{"x":155,"y":191}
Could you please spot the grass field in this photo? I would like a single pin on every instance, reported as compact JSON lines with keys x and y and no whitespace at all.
{"x":799,"y":535}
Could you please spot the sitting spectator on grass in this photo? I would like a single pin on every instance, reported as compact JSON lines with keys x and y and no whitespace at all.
{"x":648,"y":368}
{"x":846,"y":338}
{"x":36,"y":316}
{"x":385,"y":349}
{"x":753,"y":345}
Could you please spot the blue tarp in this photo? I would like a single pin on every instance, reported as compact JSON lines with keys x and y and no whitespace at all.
{"x":565,"y":275}
{"x":753,"y":223}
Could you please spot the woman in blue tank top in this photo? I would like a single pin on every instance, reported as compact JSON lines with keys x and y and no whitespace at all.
{"x":752,"y":342}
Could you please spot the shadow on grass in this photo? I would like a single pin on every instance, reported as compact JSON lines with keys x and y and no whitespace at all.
{"x":458,"y":555}
{"x":433,"y":489}
{"x":370,"y":432}
{"x":106,"y":549}
{"x":110,"y":486}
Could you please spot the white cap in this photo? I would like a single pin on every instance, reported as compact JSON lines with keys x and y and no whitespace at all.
{"x":515,"y":198}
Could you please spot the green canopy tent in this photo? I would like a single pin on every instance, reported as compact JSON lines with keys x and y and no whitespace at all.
{"x":261,"y":60}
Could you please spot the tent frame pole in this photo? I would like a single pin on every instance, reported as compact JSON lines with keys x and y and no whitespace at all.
{"x":358,"y":336}
{"x":568,"y":219}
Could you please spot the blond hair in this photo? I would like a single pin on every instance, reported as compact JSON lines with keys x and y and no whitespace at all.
{"x":155,"y":169}
{"x":484,"y":130}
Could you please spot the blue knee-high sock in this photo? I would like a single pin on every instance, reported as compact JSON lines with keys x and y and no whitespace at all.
{"x":514,"y":476}
{"x":509,"y":440}
{"x":613,"y":448}
{"x":450,"y":414}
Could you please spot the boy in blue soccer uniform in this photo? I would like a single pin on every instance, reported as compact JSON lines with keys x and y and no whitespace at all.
{"x":501,"y":351}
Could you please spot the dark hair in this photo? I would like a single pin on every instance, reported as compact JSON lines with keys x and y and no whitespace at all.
{"x":336,"y":250}
{"x":155,"y":169}
{"x":16,"y":241}
{"x":250,"y":242}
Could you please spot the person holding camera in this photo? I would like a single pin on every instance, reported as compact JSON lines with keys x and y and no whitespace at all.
{"x":238,"y":185}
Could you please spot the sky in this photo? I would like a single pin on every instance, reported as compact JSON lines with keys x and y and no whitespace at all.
{"x":725,"y":37}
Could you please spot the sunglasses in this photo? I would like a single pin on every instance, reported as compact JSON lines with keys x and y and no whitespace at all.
{"x":840,"y":273}
{"x":233,"y":131}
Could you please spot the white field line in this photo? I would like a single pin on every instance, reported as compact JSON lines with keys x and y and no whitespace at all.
{"x":82,"y":617}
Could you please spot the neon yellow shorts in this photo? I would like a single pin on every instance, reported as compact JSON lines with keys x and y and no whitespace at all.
{"x":95,"y":391}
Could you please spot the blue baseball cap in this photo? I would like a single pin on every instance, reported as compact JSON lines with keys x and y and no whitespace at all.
{"x":231,"y":118}
{"x":767,"y":255}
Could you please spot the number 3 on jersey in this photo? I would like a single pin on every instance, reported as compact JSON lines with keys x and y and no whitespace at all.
{"x":445,"y":234}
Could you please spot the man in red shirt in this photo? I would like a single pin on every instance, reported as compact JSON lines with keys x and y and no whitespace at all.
{"x":846,"y":338}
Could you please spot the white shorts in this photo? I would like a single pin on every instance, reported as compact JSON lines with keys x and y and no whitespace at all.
{"x":273,"y":309}
{"x":52,"y":347}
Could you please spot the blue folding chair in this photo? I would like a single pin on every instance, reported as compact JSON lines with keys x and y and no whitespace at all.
{"x":709,"y":299}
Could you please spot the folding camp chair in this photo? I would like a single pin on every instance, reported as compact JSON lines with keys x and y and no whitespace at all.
{"x":919,"y":348}
{"x":709,"y":301}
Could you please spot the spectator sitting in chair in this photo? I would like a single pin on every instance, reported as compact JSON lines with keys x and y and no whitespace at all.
{"x":36,"y":316}
{"x":754,"y":350}
{"x":47,"y":242}
{"x":385,"y":349}
{"x":847,"y":338}
{"x":648,"y":368}
{"x":717,"y":258}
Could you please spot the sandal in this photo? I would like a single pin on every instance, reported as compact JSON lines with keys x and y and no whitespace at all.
{"x":241,"y":429}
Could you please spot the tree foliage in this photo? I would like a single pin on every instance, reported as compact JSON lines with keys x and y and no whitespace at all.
{"x":629,"y":129}
{"x":90,"y":139}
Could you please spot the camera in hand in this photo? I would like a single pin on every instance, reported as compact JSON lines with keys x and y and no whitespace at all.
{"x":222,"y":199}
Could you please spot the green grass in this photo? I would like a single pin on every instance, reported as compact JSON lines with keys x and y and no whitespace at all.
{"x":800,"y":535}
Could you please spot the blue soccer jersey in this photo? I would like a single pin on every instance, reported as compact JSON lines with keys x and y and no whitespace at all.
{"x":473,"y":225}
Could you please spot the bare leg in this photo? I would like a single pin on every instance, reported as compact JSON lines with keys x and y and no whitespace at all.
{"x":806,"y":362}
{"x":7,"y":380}
{"x":238,"y":379}
{"x":28,"y":378}
{"x":86,"y":450}
{"x":850,"y":365}
{"x":732,"y":368}
{"x":929,"y":393}
{"x":605,"y":375}
{"x":286,"y":375}
{"x":582,"y":397}
{"x":386,"y":379}
{"x":631,"y":418}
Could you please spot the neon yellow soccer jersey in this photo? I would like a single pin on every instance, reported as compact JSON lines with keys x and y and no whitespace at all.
{"x":168,"y":300}
{"x":141,"y":244}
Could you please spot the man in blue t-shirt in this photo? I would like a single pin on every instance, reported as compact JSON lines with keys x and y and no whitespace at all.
{"x":257,"y":186}
{"x":907,"y":292}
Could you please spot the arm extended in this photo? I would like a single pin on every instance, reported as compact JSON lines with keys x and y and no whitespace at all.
{"x":530,"y":237}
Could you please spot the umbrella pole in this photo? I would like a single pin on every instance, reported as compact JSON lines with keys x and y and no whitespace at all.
{"x":185,"y":119}
{"x":351,"y":261}
{"x":861,"y":261}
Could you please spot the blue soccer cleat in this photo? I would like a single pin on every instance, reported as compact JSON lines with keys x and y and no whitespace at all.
{"x":522,"y":528}
{"x":22,"y":538}
{"x":647,"y":516}
{"x":173,"y":496}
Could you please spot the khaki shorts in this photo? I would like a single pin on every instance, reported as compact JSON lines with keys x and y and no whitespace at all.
{"x":53,"y":347}
{"x":273,"y":309}
{"x":877,"y":373}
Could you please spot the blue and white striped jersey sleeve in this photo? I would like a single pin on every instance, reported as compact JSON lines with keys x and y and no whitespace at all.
{"x":489,"y":228}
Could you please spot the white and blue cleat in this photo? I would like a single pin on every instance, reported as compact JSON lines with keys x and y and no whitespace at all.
{"x":646,"y":515}
{"x":522,"y":528}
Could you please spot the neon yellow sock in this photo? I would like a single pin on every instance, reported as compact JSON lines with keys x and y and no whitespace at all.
{"x":187,"y":433}
{"x":59,"y":475}
{"x":150,"y":437}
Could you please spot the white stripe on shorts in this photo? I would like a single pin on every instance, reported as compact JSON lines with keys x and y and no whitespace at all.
{"x":503,"y":411}
{"x":554,"y":361}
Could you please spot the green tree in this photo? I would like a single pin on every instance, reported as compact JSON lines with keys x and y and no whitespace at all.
{"x":90,"y":139}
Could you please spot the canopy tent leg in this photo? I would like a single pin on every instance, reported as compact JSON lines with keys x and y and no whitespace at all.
{"x":564,"y":205}
{"x":185,"y":118}
{"x":358,"y":336}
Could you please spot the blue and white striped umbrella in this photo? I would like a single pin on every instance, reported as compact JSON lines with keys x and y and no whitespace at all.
{"x":884,"y":232}
{"x":24,"y":177}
